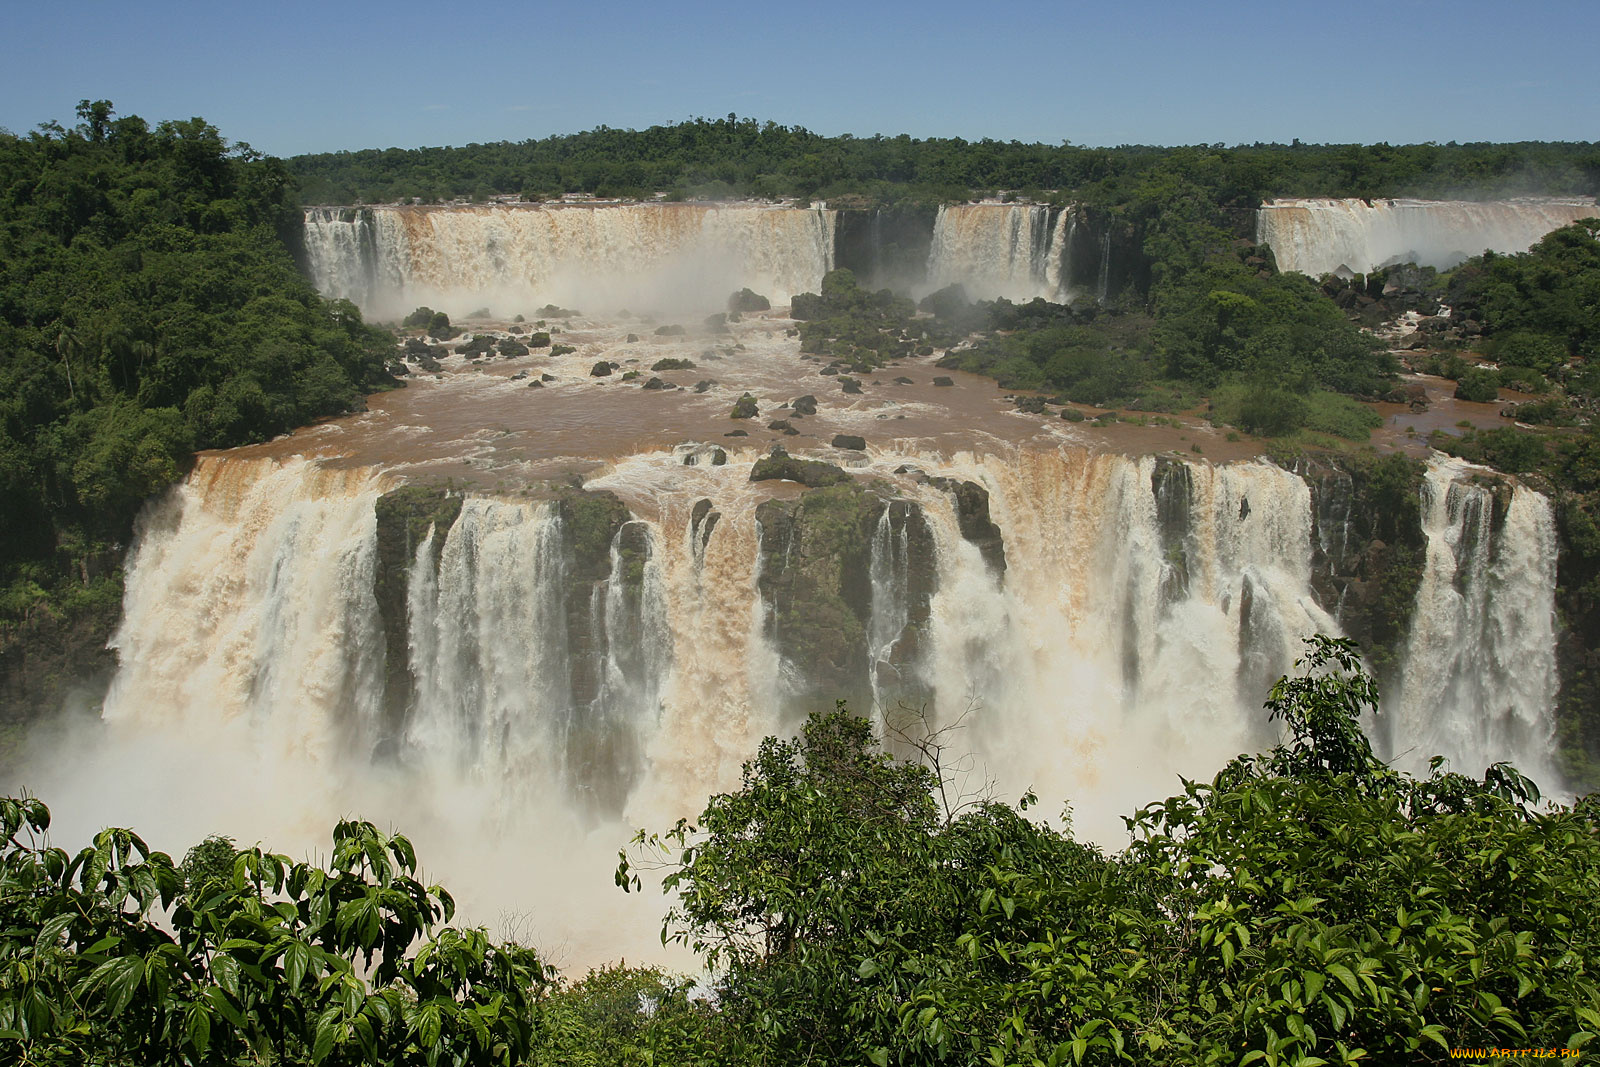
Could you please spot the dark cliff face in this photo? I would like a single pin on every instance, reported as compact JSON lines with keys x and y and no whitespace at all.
{"x":885,"y":247}
{"x":1368,"y":550}
{"x":847,"y":578}
{"x":1578,"y":643}
{"x":1104,"y":257}
{"x":888,"y":247}
{"x":815,"y":582}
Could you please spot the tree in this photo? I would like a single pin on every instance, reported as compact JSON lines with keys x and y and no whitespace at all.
{"x":260,"y":958}
{"x":1306,"y":906}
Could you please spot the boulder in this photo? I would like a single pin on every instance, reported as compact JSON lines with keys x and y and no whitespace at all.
{"x":972,"y":517}
{"x":808,"y":472}
{"x":702,"y":520}
{"x":845,"y":440}
{"x":804,"y":405}
{"x":601,"y":369}
{"x":745,"y":301}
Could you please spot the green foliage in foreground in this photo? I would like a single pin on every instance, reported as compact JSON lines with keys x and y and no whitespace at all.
{"x":149,"y":306}
{"x":1307,"y":906}
{"x":116,"y":956}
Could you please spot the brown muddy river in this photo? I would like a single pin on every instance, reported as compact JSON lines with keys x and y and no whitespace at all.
{"x":479,"y":424}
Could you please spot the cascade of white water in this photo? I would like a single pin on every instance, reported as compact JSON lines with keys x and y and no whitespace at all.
{"x":889,"y":574}
{"x":1056,"y":261}
{"x":994,"y":250}
{"x":1145,"y":606}
{"x":1089,"y":676}
{"x":249,"y":599}
{"x":1104,"y":285}
{"x":1318,"y":237}
{"x":512,"y":259}
{"x":1480,"y":674}
{"x":491,"y":699}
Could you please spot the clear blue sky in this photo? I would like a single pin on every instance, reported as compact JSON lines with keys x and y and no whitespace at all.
{"x":292,"y":77}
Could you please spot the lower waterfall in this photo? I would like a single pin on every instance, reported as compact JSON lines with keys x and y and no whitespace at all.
{"x":579,"y":663}
{"x":1480,"y":677}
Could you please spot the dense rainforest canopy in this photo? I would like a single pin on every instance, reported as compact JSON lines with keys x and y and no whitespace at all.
{"x":742,"y":157}
{"x":150,"y":306}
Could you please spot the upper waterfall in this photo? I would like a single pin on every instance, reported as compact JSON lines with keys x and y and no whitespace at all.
{"x":1317,"y":237}
{"x":1012,"y":250}
{"x":513,"y":259}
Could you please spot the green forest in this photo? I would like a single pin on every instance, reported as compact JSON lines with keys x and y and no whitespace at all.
{"x":735,"y":156}
{"x":150,"y":306}
{"x":1307,"y":906}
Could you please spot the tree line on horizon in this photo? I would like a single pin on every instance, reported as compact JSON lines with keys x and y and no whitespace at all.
{"x":733,"y":156}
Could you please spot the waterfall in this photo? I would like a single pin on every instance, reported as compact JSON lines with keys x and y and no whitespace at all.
{"x":492,"y":697}
{"x":1056,"y":256}
{"x":1318,"y":237}
{"x":514,"y":259}
{"x":1144,"y":608}
{"x":1480,"y":668}
{"x":994,"y":250}
{"x":250,"y":601}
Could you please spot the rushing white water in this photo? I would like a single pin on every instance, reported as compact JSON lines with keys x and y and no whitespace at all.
{"x":1144,"y":608}
{"x":1009,"y":250}
{"x":1480,"y":673}
{"x":264,"y":574}
{"x":1089,"y":640}
{"x":514,"y":259}
{"x":1318,"y":237}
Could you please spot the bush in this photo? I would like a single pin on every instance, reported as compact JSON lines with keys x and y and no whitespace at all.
{"x":1477,"y":385}
{"x":121,"y":950}
{"x":1526,"y":348}
{"x":1341,"y":416}
{"x":1263,"y":410}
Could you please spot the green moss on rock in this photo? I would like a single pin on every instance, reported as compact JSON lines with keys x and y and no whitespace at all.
{"x":816,"y":584}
